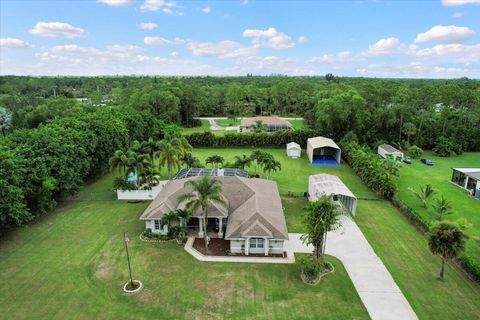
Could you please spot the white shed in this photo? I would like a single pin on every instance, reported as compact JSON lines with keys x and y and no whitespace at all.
{"x":294,"y":150}
{"x":387,"y":151}
{"x":331,"y":186}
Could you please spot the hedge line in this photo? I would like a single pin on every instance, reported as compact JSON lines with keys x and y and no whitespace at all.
{"x":40,"y":166}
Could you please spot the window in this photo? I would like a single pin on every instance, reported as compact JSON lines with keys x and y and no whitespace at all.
{"x":256,"y":243}
{"x":157,"y":224}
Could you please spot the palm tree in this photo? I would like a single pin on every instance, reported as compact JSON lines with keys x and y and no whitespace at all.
{"x":425,"y":194}
{"x":190,"y":161}
{"x":177,"y":223}
{"x":442,"y":206}
{"x":168,"y":156}
{"x":119,"y":162}
{"x":140,"y":147}
{"x":271,"y":165}
{"x":242,"y":161}
{"x":447,"y":240}
{"x":152,"y":147}
{"x":137,"y":162}
{"x":260,"y":157}
{"x":259,"y":126}
{"x":205,"y":190}
{"x":150,"y":174}
{"x":320,"y":217}
{"x":215,"y":160}
{"x":180,"y":143}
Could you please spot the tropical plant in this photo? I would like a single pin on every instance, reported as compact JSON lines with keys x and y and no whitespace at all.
{"x":391,"y":165}
{"x":120,"y":183}
{"x":169,"y":156}
{"x":137,"y":162}
{"x":151,"y":175}
{"x":205,"y":190}
{"x":447,"y":240}
{"x":190,"y":161}
{"x":260,"y":157}
{"x":177,"y":223}
{"x":442,"y":207}
{"x":409,"y":129}
{"x":242,"y":161}
{"x":259,"y":127}
{"x":425,"y":194}
{"x":140,"y":147}
{"x":119,"y":161}
{"x":320,"y":217}
{"x":415,"y":152}
{"x":180,"y":143}
{"x":270,"y":165}
{"x":215,"y":160}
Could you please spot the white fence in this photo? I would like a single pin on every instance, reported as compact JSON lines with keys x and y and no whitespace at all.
{"x":141,"y":194}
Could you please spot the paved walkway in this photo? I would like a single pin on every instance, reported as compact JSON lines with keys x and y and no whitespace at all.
{"x":199,"y":256}
{"x":375,"y":286}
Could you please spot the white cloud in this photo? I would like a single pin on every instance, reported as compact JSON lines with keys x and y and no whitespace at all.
{"x":206,"y":10}
{"x":415,"y":69}
{"x":445,"y":34}
{"x":13,"y":43}
{"x":386,"y":46}
{"x":452,"y":3}
{"x":269,"y":38}
{"x":173,"y":54}
{"x":124,"y":48}
{"x":147,"y":25}
{"x":162,"y":41}
{"x":302,"y":40}
{"x":57,"y":30}
{"x":116,"y":3}
{"x":457,"y":15}
{"x":76,"y":50}
{"x":331,"y":58}
{"x":222,"y":49}
{"x":155,"y":5}
{"x":452,"y":52}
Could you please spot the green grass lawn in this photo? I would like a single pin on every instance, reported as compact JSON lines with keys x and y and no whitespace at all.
{"x":204,"y":127}
{"x":228,"y":122}
{"x":439,"y":175}
{"x":71,"y":265}
{"x":297,"y":124}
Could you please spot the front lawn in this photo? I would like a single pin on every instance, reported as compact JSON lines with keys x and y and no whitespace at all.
{"x":71,"y":265}
{"x":297,"y":124}
{"x":228,"y":122}
{"x":439,"y":176}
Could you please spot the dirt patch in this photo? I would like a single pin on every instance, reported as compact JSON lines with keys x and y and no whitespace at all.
{"x":103,"y":271}
{"x":149,"y":296}
{"x":217,"y":291}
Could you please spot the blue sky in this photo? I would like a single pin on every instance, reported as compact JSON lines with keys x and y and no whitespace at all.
{"x":373,"y":38}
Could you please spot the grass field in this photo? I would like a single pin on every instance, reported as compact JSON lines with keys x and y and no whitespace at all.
{"x":228,"y":122}
{"x":71,"y":265}
{"x":204,"y":127}
{"x":439,"y":175}
{"x":297,"y":124}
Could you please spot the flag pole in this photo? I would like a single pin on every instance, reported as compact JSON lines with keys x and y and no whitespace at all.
{"x":128,"y":257}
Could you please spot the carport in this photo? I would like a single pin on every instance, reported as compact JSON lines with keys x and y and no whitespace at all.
{"x":323,"y":152}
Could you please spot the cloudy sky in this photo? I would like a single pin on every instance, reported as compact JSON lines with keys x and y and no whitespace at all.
{"x":374,"y":38}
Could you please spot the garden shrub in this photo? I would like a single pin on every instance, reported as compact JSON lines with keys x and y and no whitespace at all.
{"x":119,"y":183}
{"x":445,"y":147}
{"x":415,"y":152}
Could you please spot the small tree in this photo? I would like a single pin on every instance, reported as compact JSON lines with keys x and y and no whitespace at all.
{"x":215,"y":160}
{"x":415,"y":152}
{"x":425,"y":194}
{"x":442,"y":206}
{"x":320,"y":217}
{"x":271,"y":165}
{"x":190,"y":161}
{"x":242,"y":161}
{"x":177,"y":223}
{"x":447,"y":240}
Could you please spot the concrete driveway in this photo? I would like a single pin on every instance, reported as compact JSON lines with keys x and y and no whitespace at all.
{"x":376,"y":287}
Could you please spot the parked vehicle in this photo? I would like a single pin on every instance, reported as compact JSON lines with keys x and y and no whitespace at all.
{"x":407,"y":160}
{"x":427,"y":162}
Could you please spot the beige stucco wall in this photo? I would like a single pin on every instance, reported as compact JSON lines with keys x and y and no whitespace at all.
{"x":151,"y":224}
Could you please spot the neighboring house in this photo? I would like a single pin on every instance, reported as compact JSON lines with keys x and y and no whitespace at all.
{"x":329,"y":185}
{"x":294,"y":150}
{"x":387,"y":151}
{"x":253,"y":220}
{"x":467,"y":178}
{"x":271,"y":123}
{"x":323,"y":151}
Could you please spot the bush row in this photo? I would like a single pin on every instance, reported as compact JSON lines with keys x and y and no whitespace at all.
{"x":263,"y":139}
{"x":370,"y":169}
{"x":40,"y":166}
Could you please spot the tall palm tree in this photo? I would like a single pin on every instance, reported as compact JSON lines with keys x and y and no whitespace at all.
{"x":140,"y":147}
{"x":425,"y":194}
{"x":190,"y":161}
{"x":180,"y":143}
{"x":137,"y":162}
{"x":150,"y":174}
{"x":205,"y":190}
{"x":242,"y":161}
{"x":442,"y":206}
{"x":320,"y":217}
{"x":271,"y":165}
{"x":151,"y":148}
{"x":260,"y":157}
{"x":119,"y":161}
{"x":447,"y":240}
{"x":168,"y":156}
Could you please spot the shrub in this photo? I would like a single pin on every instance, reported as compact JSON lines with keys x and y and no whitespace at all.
{"x":415,"y":152}
{"x":445,"y":147}
{"x":119,"y":183}
{"x":310,"y":266}
{"x":156,"y":236}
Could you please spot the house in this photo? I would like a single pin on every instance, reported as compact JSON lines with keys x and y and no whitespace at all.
{"x":271,"y":123}
{"x":253,"y":221}
{"x":468,"y":179}
{"x":331,"y":186}
{"x":294,"y":150}
{"x":323,"y":151}
{"x":387,"y":151}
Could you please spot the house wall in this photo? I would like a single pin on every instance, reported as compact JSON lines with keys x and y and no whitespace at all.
{"x":274,"y":246}
{"x":150,"y":224}
{"x":236,"y":245}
